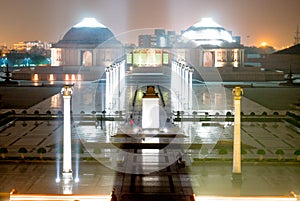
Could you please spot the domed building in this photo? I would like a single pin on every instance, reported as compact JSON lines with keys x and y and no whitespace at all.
{"x":88,"y":43}
{"x":208,"y":44}
{"x":207,"y":32}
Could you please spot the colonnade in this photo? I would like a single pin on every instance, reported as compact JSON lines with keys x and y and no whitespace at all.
{"x":182,"y":86}
{"x":114,"y":86}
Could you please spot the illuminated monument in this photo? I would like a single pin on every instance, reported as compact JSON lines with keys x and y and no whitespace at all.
{"x":89,"y":44}
{"x":89,"y":47}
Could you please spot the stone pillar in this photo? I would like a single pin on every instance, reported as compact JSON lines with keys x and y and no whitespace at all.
{"x":236,"y":166}
{"x":67,"y":152}
{"x":186,"y":87}
{"x":182,"y":87}
{"x":122,"y":84}
{"x":111,"y":84}
{"x":107,"y":88}
{"x":191,"y":70}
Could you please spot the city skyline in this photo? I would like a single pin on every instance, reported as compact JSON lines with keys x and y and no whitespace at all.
{"x":271,"y":21}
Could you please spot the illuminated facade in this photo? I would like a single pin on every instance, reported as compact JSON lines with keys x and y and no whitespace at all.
{"x":88,"y":43}
{"x":89,"y":47}
{"x":207,"y":44}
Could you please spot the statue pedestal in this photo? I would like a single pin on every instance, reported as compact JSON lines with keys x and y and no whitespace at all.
{"x":67,"y":182}
{"x":150,"y":111}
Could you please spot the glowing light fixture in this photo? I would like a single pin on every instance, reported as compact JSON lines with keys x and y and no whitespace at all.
{"x":51,"y":77}
{"x":35,"y":77}
{"x":89,"y":22}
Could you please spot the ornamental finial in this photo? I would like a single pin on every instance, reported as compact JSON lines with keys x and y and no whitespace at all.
{"x":237,"y":92}
{"x":67,"y":90}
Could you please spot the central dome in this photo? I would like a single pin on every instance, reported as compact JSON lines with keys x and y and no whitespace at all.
{"x":207,"y":32}
{"x":88,"y":31}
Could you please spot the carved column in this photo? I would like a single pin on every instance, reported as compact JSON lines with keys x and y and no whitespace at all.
{"x":237,"y":92}
{"x":67,"y":152}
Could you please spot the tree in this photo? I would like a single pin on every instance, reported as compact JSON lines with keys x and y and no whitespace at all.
{"x":41,"y":151}
{"x":243,"y":152}
{"x":261,"y":154}
{"x":223,"y":152}
{"x":48,"y":117}
{"x":22,"y":151}
{"x":297,"y":153}
{"x":24,"y":112}
{"x":97,"y":150}
{"x":280,"y":154}
{"x":3,"y":151}
{"x":194,"y":115}
{"x":228,"y":114}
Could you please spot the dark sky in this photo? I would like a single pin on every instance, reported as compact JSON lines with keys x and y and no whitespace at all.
{"x":271,"y":21}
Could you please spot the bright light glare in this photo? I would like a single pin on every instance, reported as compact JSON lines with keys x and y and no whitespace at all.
{"x":264,"y":44}
{"x":207,"y":32}
{"x":57,"y":180}
{"x":207,"y":22}
{"x":89,"y":22}
{"x":76,"y":180}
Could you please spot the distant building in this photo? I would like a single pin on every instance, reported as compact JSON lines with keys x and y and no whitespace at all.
{"x":256,"y":56}
{"x":283,"y":60}
{"x":160,"y":39}
{"x":25,"y":46}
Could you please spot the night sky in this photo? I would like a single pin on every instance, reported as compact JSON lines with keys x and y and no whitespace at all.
{"x":256,"y":21}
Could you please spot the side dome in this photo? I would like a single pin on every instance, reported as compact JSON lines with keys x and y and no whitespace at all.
{"x":88,"y":31}
{"x":207,"y":32}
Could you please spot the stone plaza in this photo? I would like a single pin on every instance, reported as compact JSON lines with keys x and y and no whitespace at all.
{"x":206,"y":172}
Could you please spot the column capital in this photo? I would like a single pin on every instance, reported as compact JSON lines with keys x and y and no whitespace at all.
{"x":237,"y":92}
{"x":67,"y":90}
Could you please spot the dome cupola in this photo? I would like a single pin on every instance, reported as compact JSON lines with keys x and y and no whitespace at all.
{"x":207,"y":32}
